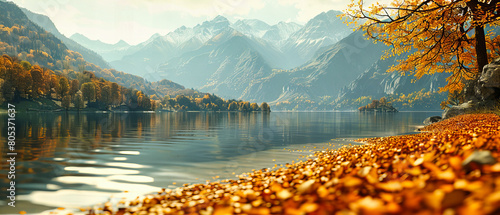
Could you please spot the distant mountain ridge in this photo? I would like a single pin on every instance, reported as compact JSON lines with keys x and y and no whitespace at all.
{"x":323,"y":30}
{"x":47,"y":24}
{"x":97,"y":44}
{"x":280,"y":32}
{"x":251,"y":27}
{"x":224,"y":65}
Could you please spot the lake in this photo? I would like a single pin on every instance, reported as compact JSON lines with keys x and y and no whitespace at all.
{"x":71,"y":160}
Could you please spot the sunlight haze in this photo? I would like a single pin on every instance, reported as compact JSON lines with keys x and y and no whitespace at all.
{"x":134,"y":21}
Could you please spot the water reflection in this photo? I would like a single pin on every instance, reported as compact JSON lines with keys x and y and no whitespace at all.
{"x":62,"y":156}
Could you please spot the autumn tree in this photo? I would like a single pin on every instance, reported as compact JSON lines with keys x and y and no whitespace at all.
{"x":78,"y":101}
{"x":74,"y":87}
{"x":53,"y":84}
{"x":233,"y":106}
{"x":7,"y":91}
{"x":66,"y":102}
{"x":106,"y":95}
{"x":435,"y":36}
{"x":146,"y":102}
{"x":265,"y":107}
{"x":8,"y":71}
{"x":115,"y":94}
{"x":26,"y":65}
{"x":183,"y":100}
{"x":383,"y":101}
{"x":88,"y":91}
{"x":63,"y":87}
{"x":206,"y":99}
{"x":244,"y":106}
{"x":254,"y":107}
{"x":154,"y":104}
{"x":38,"y":83}
{"x":23,"y":82}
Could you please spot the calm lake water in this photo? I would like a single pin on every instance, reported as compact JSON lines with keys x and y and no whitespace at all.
{"x":71,"y":160}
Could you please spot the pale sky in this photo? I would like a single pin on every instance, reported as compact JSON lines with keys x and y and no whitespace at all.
{"x":135,"y":21}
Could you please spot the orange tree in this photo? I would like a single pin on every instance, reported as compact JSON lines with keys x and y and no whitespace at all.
{"x":435,"y":35}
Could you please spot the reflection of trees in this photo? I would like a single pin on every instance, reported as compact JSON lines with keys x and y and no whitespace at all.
{"x":198,"y":137}
{"x":42,"y":134}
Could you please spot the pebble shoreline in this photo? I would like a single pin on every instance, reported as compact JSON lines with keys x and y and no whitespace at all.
{"x":451,"y":168}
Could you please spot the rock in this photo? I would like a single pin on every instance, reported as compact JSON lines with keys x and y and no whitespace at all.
{"x":484,"y":93}
{"x":481,"y":94}
{"x":490,"y":77}
{"x":432,"y":119}
{"x":458,"y":110}
{"x":479,"y":157}
{"x":306,"y":187}
{"x":488,"y":86}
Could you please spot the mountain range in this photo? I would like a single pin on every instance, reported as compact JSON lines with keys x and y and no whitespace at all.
{"x":322,"y":61}
{"x":107,"y":51}
{"x":47,"y":24}
{"x":294,"y":44}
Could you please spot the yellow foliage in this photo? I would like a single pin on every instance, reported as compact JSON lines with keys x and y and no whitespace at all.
{"x":434,"y":36}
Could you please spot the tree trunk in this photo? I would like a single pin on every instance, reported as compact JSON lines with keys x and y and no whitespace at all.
{"x":481,"y":53}
{"x":481,"y":61}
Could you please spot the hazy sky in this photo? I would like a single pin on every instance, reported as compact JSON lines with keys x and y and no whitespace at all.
{"x":136,"y":20}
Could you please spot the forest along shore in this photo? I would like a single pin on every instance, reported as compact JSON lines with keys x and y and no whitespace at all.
{"x":451,"y":168}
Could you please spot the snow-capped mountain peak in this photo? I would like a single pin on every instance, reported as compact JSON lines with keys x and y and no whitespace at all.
{"x":251,"y":27}
{"x":280,"y":32}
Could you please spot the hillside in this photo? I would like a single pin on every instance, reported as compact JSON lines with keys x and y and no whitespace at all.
{"x":22,"y":38}
{"x":375,"y":82}
{"x":323,"y":76}
{"x":323,"y":30}
{"x":32,"y":88}
{"x":347,"y":75}
{"x":47,"y":24}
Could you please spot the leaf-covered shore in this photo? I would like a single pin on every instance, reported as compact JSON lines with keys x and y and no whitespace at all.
{"x":451,"y":168}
